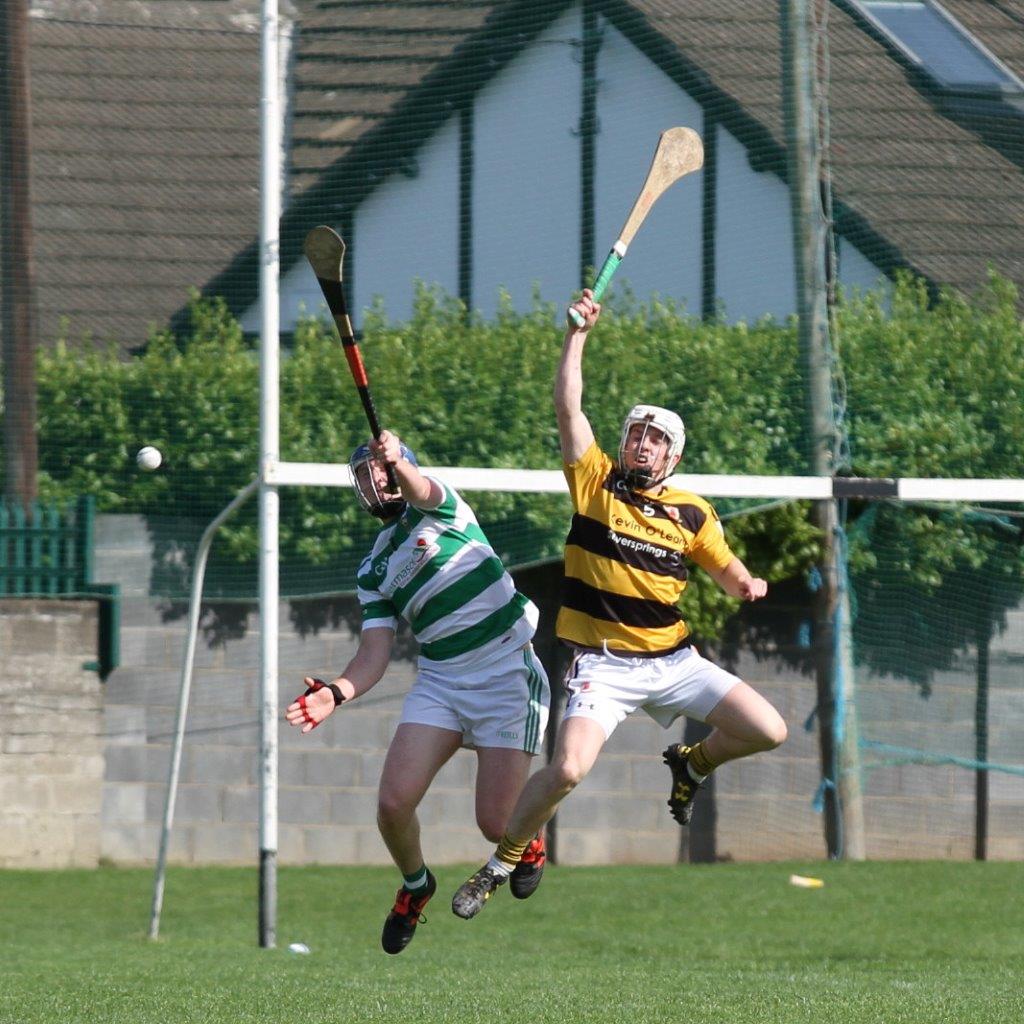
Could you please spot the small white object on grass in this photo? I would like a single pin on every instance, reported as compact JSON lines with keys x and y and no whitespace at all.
{"x":804,"y":882}
{"x":298,"y":947}
{"x":149,"y":457}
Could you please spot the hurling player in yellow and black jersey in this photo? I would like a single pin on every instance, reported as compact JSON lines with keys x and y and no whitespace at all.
{"x":631,"y":538}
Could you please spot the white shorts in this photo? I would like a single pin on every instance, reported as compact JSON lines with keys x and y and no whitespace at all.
{"x":503,"y":703}
{"x":607,"y":687}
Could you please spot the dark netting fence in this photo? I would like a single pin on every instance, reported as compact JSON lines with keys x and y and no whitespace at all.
{"x":479,"y":159}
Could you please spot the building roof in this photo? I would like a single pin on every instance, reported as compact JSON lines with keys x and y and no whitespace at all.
{"x":913,"y":185}
{"x":146,"y":143}
{"x":145,"y":157}
{"x":356,"y":68}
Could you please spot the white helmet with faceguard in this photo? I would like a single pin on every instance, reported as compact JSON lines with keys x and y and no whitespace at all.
{"x":671,"y":425}
{"x":376,"y":499}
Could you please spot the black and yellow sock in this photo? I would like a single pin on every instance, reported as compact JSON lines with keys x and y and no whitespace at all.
{"x":416,"y":883}
{"x":508,"y":853}
{"x":699,"y":763}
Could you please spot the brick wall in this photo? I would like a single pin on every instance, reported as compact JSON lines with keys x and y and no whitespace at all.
{"x":328,"y":778}
{"x":89,"y":781}
{"x":51,"y":743}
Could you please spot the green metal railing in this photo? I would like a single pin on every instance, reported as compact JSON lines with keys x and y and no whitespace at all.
{"x":47,"y":551}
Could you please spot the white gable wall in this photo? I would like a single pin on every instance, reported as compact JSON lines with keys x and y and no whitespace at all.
{"x":754,"y":247}
{"x":526,"y":193}
{"x":526,"y":200}
{"x":857,"y":273}
{"x":408,"y":230}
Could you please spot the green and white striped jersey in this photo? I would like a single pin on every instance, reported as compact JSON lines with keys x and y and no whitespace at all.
{"x":436,"y":569}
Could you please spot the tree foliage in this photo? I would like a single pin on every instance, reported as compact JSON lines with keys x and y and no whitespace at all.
{"x":933,"y":390}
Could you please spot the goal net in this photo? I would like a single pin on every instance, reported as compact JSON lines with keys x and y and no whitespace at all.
{"x":938,"y":630}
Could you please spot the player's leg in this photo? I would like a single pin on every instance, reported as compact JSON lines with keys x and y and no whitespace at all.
{"x":501,"y":774}
{"x":576,"y":749}
{"x":417,"y":753}
{"x":602,"y":693}
{"x":579,"y":742}
{"x":742,"y":721}
{"x":505,"y":719}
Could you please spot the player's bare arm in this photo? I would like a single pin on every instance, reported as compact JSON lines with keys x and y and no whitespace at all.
{"x":737,"y":581}
{"x":362,"y":673}
{"x":417,"y":489}
{"x":574,"y":428}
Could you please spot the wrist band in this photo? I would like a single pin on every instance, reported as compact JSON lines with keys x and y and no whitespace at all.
{"x":319,"y":684}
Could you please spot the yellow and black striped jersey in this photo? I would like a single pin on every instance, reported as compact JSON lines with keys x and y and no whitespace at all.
{"x":625,"y":559}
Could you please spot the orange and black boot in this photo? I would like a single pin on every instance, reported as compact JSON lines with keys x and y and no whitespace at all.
{"x":400,"y":926}
{"x":525,"y":878}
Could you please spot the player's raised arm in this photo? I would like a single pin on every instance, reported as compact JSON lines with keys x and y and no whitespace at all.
{"x":418,"y":490}
{"x":574,"y":430}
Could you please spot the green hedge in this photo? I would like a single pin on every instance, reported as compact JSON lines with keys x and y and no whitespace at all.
{"x":932,"y":390}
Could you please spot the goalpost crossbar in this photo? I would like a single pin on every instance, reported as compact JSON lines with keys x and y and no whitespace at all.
{"x":551,"y":481}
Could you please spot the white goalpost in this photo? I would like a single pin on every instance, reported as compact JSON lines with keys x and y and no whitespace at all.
{"x":271,"y":190}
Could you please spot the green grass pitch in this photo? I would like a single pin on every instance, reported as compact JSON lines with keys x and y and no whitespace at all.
{"x":881,"y":943}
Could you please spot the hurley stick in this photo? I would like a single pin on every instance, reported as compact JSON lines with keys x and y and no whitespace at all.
{"x":679,"y":152}
{"x":325,"y":251}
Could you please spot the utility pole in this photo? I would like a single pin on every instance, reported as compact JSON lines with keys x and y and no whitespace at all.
{"x":16,"y":277}
{"x":983,"y":640}
{"x":587,"y":133}
{"x":805,"y":112}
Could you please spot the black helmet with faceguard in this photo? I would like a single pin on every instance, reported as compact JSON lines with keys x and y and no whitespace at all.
{"x":376,"y":500}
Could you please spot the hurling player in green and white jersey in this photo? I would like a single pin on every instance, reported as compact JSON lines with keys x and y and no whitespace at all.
{"x":478,"y":681}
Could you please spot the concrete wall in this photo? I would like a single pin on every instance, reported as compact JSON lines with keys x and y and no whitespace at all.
{"x":114,"y":741}
{"x":328,"y":778}
{"x":51,"y":744}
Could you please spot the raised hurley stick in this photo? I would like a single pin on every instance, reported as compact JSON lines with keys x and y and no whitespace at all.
{"x":325,"y":251}
{"x":679,"y":152}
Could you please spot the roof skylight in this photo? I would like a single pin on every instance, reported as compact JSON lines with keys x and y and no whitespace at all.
{"x":937,"y":43}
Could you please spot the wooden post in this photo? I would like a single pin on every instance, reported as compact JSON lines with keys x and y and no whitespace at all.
{"x":804,"y":109}
{"x":16,"y":277}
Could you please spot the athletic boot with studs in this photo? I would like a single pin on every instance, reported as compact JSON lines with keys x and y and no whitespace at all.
{"x":525,"y":878}
{"x":400,"y":926}
{"x":684,"y":789}
{"x":470,"y":897}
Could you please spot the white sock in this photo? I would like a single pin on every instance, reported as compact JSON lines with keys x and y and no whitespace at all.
{"x":499,"y":867}
{"x":693,"y":775}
